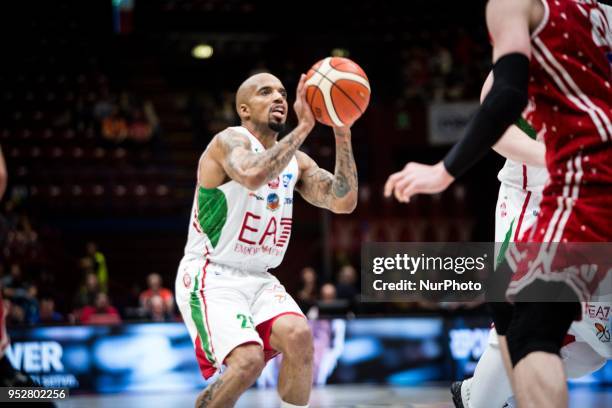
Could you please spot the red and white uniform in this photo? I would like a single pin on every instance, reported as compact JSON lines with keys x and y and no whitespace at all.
{"x":570,"y":100}
{"x":224,"y":291}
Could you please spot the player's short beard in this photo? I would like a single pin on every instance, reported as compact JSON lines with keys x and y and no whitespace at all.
{"x":278,"y":127}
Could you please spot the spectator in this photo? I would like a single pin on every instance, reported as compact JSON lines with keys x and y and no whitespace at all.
{"x":114,"y":127}
{"x":104,"y":106}
{"x":99,"y":264}
{"x":307,"y":294}
{"x":48,"y":314}
{"x":157,"y":301}
{"x":30,"y":304}
{"x":102,"y":312}
{"x":328,"y":294}
{"x":15,"y":314}
{"x":88,"y":291}
{"x":13,"y":284}
{"x":140,"y":130}
{"x":347,"y":283}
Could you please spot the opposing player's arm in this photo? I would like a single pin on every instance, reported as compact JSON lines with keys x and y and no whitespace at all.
{"x":508,"y":22}
{"x":336,"y":192}
{"x":515,"y":144}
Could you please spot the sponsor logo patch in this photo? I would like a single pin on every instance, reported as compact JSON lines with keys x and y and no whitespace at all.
{"x":186,"y":280}
{"x":273,"y":184}
{"x":273,"y":202}
{"x":287,"y":179}
{"x":603,"y":333}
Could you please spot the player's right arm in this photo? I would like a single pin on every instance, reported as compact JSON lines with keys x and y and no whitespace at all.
{"x":231,"y":151}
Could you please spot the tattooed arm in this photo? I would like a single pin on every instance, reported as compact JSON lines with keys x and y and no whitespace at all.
{"x":336,"y":192}
{"x":232,"y":155}
{"x":253,"y":170}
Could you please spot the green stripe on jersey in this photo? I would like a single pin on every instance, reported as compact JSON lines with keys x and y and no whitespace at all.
{"x":212,"y":212}
{"x":504,"y":247}
{"x":527,"y":128}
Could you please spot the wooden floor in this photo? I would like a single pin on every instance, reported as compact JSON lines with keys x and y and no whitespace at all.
{"x":345,"y":396}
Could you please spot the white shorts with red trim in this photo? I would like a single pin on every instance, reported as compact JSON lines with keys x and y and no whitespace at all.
{"x":517,"y":210}
{"x":224,"y":307}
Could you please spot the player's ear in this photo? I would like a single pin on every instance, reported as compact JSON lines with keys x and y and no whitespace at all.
{"x":244,"y":112}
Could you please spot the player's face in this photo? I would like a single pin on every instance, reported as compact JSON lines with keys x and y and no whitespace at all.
{"x":268,"y":105}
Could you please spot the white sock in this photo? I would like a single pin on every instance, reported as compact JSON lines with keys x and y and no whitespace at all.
{"x":489,"y":388}
{"x":288,"y":405}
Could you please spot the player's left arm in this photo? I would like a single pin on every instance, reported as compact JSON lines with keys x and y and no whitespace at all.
{"x":516,"y":144}
{"x":336,"y":192}
{"x":509,"y":25}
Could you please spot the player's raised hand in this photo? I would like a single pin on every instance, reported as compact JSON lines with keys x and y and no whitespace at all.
{"x":417,"y":178}
{"x":302,"y":109}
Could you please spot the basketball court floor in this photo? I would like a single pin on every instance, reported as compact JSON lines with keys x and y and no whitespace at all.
{"x":339,"y":396}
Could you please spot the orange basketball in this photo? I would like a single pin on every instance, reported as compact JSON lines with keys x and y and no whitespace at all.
{"x":337,"y":90}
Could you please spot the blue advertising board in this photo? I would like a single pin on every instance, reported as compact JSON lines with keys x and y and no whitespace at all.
{"x":160,"y":356}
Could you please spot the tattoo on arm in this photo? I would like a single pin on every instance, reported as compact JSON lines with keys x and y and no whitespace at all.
{"x":268,"y":163}
{"x":206,"y":397}
{"x":321,"y":188}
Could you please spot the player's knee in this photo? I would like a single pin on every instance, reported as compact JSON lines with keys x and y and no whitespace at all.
{"x":248,"y":360}
{"x":299,"y":341}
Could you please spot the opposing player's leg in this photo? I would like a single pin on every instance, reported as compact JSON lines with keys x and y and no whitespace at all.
{"x":284,"y":329}
{"x":535,"y":337}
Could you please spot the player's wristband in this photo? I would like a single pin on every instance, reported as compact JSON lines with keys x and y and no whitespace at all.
{"x":500,"y":109}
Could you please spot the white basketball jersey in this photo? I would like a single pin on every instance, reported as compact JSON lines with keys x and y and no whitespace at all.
{"x":234,"y":226}
{"x":522,"y":176}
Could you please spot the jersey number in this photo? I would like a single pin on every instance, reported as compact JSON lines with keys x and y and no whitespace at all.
{"x":246,"y":321}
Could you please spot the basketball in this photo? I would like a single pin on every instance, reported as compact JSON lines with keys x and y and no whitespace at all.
{"x":337,"y":90}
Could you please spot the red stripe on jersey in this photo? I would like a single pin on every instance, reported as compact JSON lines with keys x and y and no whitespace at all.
{"x":520,"y":221}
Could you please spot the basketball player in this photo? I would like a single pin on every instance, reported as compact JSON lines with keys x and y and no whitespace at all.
{"x":554,"y":54}
{"x":237,"y":313}
{"x":518,"y":204}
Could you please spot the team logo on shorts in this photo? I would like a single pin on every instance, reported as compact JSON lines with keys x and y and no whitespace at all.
{"x":273,"y":202}
{"x":278,"y":292}
{"x":503,"y":210}
{"x":287,"y":179}
{"x":273,"y":184}
{"x":186,"y":280}
{"x":603,"y":334}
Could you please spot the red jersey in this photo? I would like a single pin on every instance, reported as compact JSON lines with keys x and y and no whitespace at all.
{"x":570,"y":104}
{"x":570,"y":94}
